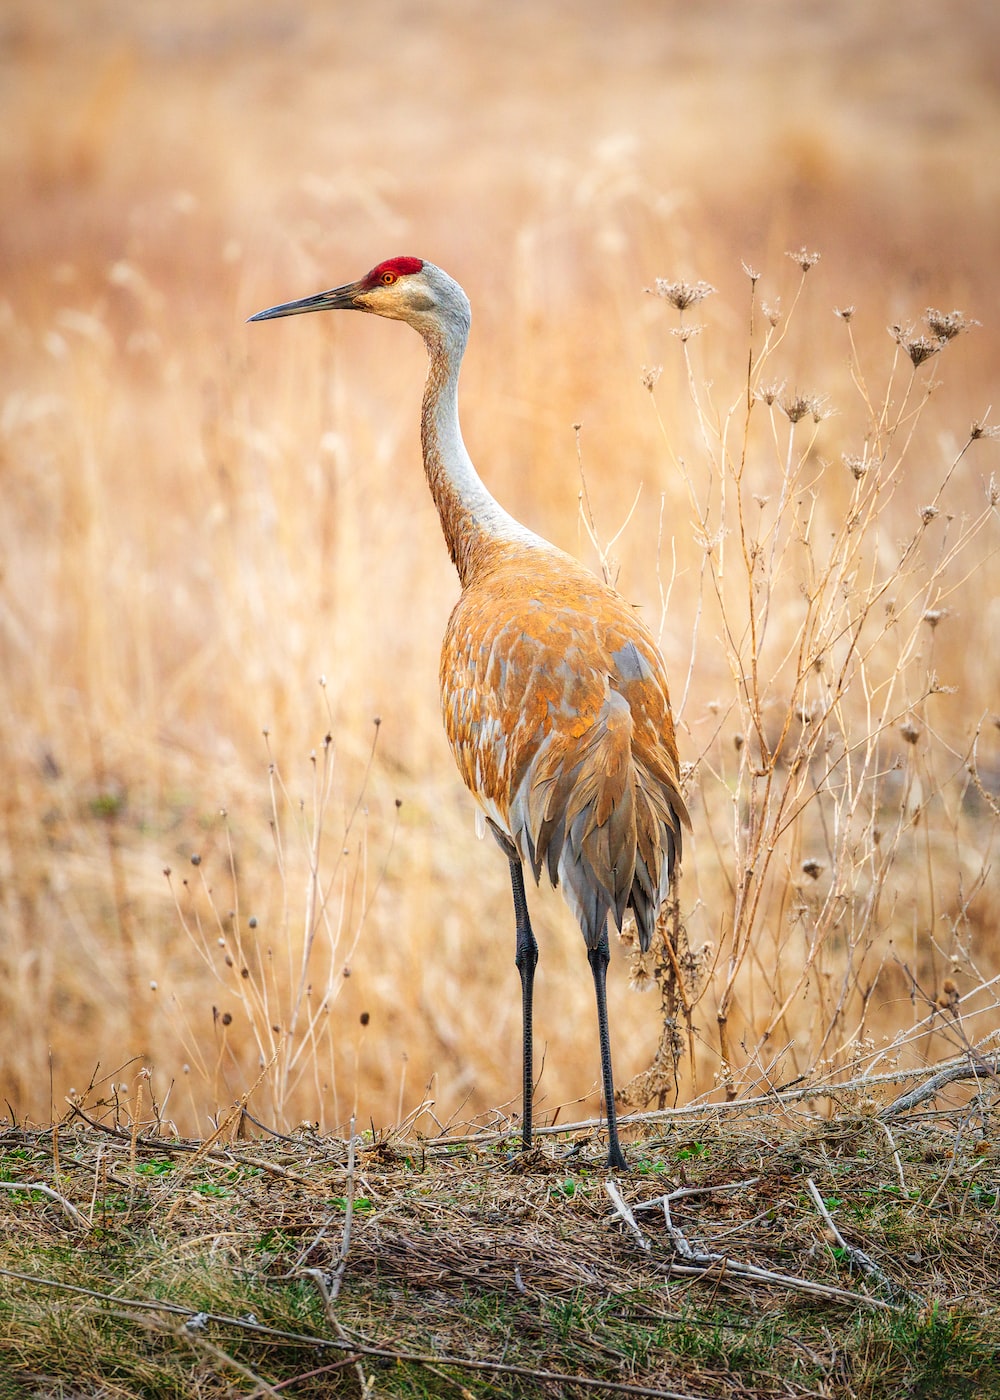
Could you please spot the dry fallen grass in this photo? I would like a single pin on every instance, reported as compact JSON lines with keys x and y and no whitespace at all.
{"x":201,"y":521}
{"x":766,"y":1251}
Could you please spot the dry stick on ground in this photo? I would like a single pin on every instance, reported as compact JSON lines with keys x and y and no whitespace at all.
{"x":733,"y":1107}
{"x":329,"y":1283}
{"x":68,"y":1207}
{"x":335,"y":1276}
{"x":962,"y":1069}
{"x":702,"y":1263}
{"x":858,"y":1257}
{"x":395,"y":1354}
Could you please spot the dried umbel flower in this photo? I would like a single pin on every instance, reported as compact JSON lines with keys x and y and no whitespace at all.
{"x":650,"y":375}
{"x":945,"y":325}
{"x":934,"y":615}
{"x":768,"y":393}
{"x":909,"y":731}
{"x":857,"y":466}
{"x":798,"y":406}
{"x":684,"y":333}
{"x":804,"y":259}
{"x":845,"y":313}
{"x":928,"y":513}
{"x":772,"y":313}
{"x":682,"y":294}
{"x":918,"y":347}
{"x":751,"y":272}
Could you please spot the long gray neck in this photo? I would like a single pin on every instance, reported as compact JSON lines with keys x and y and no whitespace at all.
{"x":471,"y":518}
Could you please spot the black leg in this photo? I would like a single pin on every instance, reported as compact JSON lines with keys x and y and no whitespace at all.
{"x":526,"y":959}
{"x":599,"y":958}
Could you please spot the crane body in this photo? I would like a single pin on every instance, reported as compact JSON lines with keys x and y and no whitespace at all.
{"x":553,"y":690}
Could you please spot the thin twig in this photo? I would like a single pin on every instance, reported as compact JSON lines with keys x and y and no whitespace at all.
{"x":622,"y":1208}
{"x":961,"y":1069}
{"x":699,"y":1262}
{"x":43,"y":1190}
{"x":857,"y":1257}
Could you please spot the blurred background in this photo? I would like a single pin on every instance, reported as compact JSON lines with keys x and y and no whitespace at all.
{"x":223,"y":585}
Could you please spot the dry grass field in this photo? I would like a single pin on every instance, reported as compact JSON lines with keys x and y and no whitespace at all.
{"x":223,"y":584}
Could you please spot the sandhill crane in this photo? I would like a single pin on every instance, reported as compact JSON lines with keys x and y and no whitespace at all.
{"x":553,"y":691}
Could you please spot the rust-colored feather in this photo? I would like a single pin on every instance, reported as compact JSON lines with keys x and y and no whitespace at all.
{"x":558,"y":713}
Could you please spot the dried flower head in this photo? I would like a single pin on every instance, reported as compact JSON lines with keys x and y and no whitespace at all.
{"x":643,"y":972}
{"x":918,"y":347}
{"x":804,"y":259}
{"x":909,"y":731}
{"x":772,"y":314}
{"x":650,"y":375}
{"x":684,"y":333}
{"x":982,"y":430}
{"x":812,"y":867}
{"x":769,"y":393}
{"x":798,"y":406}
{"x":927,"y":513}
{"x":845,"y":313}
{"x":857,"y":466}
{"x":945,"y":325}
{"x":751,"y":272}
{"x":682,"y":294}
{"x":934,"y":615}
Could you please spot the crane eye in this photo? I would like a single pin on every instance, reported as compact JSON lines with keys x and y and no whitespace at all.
{"x":388,"y":278}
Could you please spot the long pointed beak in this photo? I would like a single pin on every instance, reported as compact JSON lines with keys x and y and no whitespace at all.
{"x":338,"y":299}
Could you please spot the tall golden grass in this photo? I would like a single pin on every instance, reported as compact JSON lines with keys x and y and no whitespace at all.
{"x":224,"y":587}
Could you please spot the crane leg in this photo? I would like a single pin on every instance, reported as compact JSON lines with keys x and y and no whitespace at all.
{"x":599,"y":958}
{"x":526,"y":958}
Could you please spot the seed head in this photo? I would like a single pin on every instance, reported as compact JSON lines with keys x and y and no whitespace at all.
{"x":768,"y":393}
{"x":845,"y":313}
{"x":812,"y":867}
{"x":909,"y":731}
{"x":934,"y":615}
{"x":682,"y":294}
{"x":797,"y":406}
{"x":650,"y":375}
{"x":856,"y":465}
{"x":945,"y":325}
{"x":804,"y":259}
{"x":772,"y":313}
{"x":982,"y":430}
{"x":684,"y":333}
{"x":918,"y":347}
{"x":751,"y":272}
{"x":927,"y":513}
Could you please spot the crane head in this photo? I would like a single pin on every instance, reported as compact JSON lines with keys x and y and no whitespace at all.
{"x":404,"y":289}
